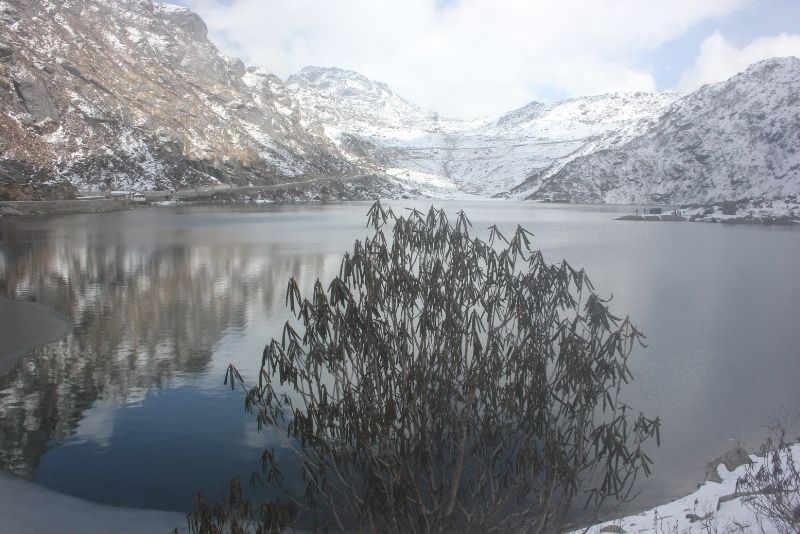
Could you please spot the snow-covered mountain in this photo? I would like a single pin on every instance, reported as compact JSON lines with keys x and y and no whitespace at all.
{"x":483,"y":157}
{"x":368,"y":121}
{"x":338,"y":96}
{"x":130,"y":94}
{"x":730,"y":140}
{"x":127,"y":93}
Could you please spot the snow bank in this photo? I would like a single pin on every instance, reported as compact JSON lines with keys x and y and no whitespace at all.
{"x":706,"y":510}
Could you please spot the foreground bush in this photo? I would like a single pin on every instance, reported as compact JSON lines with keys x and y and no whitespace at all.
{"x":771,"y":486}
{"x":444,"y":383}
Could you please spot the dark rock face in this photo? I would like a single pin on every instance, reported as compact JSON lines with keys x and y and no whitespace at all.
{"x":127,"y":94}
{"x":16,"y":192}
{"x":36,"y":99}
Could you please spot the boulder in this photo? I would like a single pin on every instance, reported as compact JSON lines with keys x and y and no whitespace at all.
{"x":731,"y":460}
{"x":36,"y":99}
{"x":236,"y":66}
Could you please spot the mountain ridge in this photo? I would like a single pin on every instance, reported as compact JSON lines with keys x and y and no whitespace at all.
{"x":486,"y":156}
{"x":616,"y":148}
{"x":132,"y":95}
{"x":726,"y":141}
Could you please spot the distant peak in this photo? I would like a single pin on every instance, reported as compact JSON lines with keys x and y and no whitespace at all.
{"x":335,"y":77}
{"x":313,"y":73}
{"x":767,"y":71}
{"x":313,"y":70}
{"x":791,"y":63}
{"x":185,"y":19}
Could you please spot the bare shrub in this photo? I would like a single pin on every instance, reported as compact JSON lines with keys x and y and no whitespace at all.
{"x":442,"y":383}
{"x":771,"y":486}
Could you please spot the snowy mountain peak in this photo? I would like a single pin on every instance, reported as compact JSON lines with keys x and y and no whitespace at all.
{"x":776,"y":76}
{"x":727,"y":140}
{"x":184,"y":19}
{"x":773,"y":69}
{"x":350,"y":101}
{"x":485,"y":156}
{"x":589,"y":113}
{"x":526,"y":113}
{"x":340,"y":81}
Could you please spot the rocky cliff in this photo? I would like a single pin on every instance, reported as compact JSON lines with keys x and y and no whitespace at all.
{"x":129,"y":94}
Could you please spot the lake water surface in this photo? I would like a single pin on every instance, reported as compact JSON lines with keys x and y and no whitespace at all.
{"x":130,"y":408}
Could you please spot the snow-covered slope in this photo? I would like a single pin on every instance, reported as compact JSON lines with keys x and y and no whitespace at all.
{"x":735,"y":139}
{"x":127,"y":93}
{"x":368,"y":121}
{"x":483,"y":157}
{"x":717,"y":507}
{"x":543,"y":138}
{"x":130,"y":94}
{"x":730,"y":140}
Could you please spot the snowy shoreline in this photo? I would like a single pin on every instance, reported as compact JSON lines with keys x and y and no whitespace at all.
{"x":713,"y":507}
{"x":746,"y":211}
{"x":27,"y":507}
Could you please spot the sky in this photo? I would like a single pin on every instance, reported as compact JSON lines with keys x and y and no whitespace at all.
{"x":472,"y":58}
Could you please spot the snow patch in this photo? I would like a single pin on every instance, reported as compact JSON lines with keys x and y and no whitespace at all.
{"x":705,"y":510}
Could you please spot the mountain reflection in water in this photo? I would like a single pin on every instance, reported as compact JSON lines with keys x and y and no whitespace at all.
{"x":150,"y":310}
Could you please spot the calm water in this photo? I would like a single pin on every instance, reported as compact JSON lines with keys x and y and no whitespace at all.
{"x":130,"y":409}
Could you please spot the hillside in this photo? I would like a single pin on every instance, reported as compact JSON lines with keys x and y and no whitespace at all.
{"x":127,"y":94}
{"x":731,"y":140}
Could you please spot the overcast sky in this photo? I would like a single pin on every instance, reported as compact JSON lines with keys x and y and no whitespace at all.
{"x":468,"y":58}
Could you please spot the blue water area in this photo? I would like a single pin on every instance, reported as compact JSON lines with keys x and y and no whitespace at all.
{"x":137,"y":448}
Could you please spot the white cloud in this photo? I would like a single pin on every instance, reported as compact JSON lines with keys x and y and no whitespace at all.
{"x":470,"y":57}
{"x":719,"y":59}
